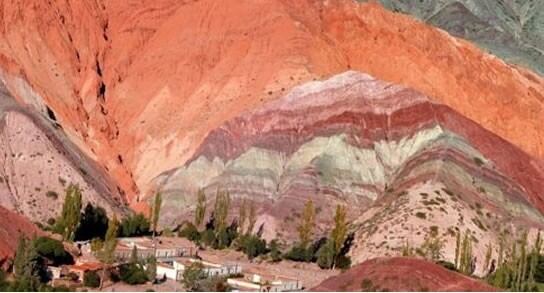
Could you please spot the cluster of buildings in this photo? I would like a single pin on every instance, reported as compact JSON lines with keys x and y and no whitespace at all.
{"x":174,"y":255}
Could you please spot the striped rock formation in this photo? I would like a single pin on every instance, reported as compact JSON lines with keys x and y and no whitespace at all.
{"x":398,"y":161}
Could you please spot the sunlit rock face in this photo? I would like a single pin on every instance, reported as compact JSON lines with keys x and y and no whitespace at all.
{"x":371,"y":146}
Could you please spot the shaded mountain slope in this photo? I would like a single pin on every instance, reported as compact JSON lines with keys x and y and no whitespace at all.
{"x":139,"y":85}
{"x":38,"y":162}
{"x":513,"y":30}
{"x":401,"y":274}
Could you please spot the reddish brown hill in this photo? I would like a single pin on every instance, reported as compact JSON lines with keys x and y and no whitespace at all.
{"x":12,"y":227}
{"x":139,"y":85}
{"x":401,"y":274}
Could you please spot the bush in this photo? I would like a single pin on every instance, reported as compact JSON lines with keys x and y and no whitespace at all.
{"x":343,"y":262}
{"x":52,"y":194}
{"x":252,"y":245}
{"x":133,"y":274}
{"x":299,"y":253}
{"x":190,"y":232}
{"x":52,"y":250}
{"x":275,"y":253}
{"x":208,"y":237}
{"x":446,"y":264}
{"x":93,"y":224}
{"x":91,"y":279}
{"x":134,"y":225}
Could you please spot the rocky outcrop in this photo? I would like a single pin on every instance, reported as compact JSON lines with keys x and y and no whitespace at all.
{"x":382,"y":150}
{"x":401,"y":274}
{"x":38,"y":162}
{"x":139,"y":87}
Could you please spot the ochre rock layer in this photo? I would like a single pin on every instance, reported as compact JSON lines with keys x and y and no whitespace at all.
{"x":139,"y":85}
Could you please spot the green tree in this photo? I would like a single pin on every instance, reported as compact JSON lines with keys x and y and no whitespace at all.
{"x":69,"y":219}
{"x":466,"y":261}
{"x":242,"y":215}
{"x":192,"y":276}
{"x":28,"y":267}
{"x":91,"y":279}
{"x":151,"y":268}
{"x":107,"y":254}
{"x":94,"y":224}
{"x":190,"y":232}
{"x":52,"y":250}
{"x":221,"y":212}
{"x":339,"y":233}
{"x":251,"y":218}
{"x":433,"y":246}
{"x":134,"y":225}
{"x":305,"y":229}
{"x":275,"y":253}
{"x":200,"y":211}
{"x":155,"y":213}
{"x":534,"y":258}
{"x":457,"y":249}
{"x":326,"y":255}
{"x":488,"y":257}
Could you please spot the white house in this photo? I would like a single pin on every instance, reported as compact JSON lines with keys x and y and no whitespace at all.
{"x":265,"y":283}
{"x":174,"y":270}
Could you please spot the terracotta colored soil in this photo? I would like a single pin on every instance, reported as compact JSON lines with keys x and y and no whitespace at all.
{"x":401,"y":274}
{"x":13,"y":226}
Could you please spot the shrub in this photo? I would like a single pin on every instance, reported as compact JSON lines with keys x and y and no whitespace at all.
{"x":52,"y":194}
{"x":133,"y":274}
{"x":190,"y":232}
{"x":91,"y":279}
{"x":299,"y":253}
{"x":448,"y":265}
{"x":421,"y":215}
{"x":252,"y":245}
{"x":53,"y":250}
{"x":275,"y":253}
{"x":93,"y":224}
{"x":134,"y":225}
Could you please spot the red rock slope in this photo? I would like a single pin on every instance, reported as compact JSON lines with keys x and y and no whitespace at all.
{"x":12,"y":227}
{"x":401,"y":274}
{"x":139,"y":84}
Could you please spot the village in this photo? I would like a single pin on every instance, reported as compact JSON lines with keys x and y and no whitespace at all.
{"x":85,"y":250}
{"x":174,"y":256}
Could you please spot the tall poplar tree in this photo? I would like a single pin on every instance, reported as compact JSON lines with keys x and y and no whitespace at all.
{"x":307,"y":223}
{"x":200,"y":212}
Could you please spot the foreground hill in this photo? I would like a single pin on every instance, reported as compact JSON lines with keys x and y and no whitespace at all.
{"x":401,"y":163}
{"x":139,"y":86}
{"x":13,"y":227}
{"x":401,"y":274}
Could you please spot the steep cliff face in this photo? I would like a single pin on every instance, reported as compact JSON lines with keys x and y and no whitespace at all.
{"x":138,"y":85}
{"x":398,"y":161}
{"x":38,"y":162}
